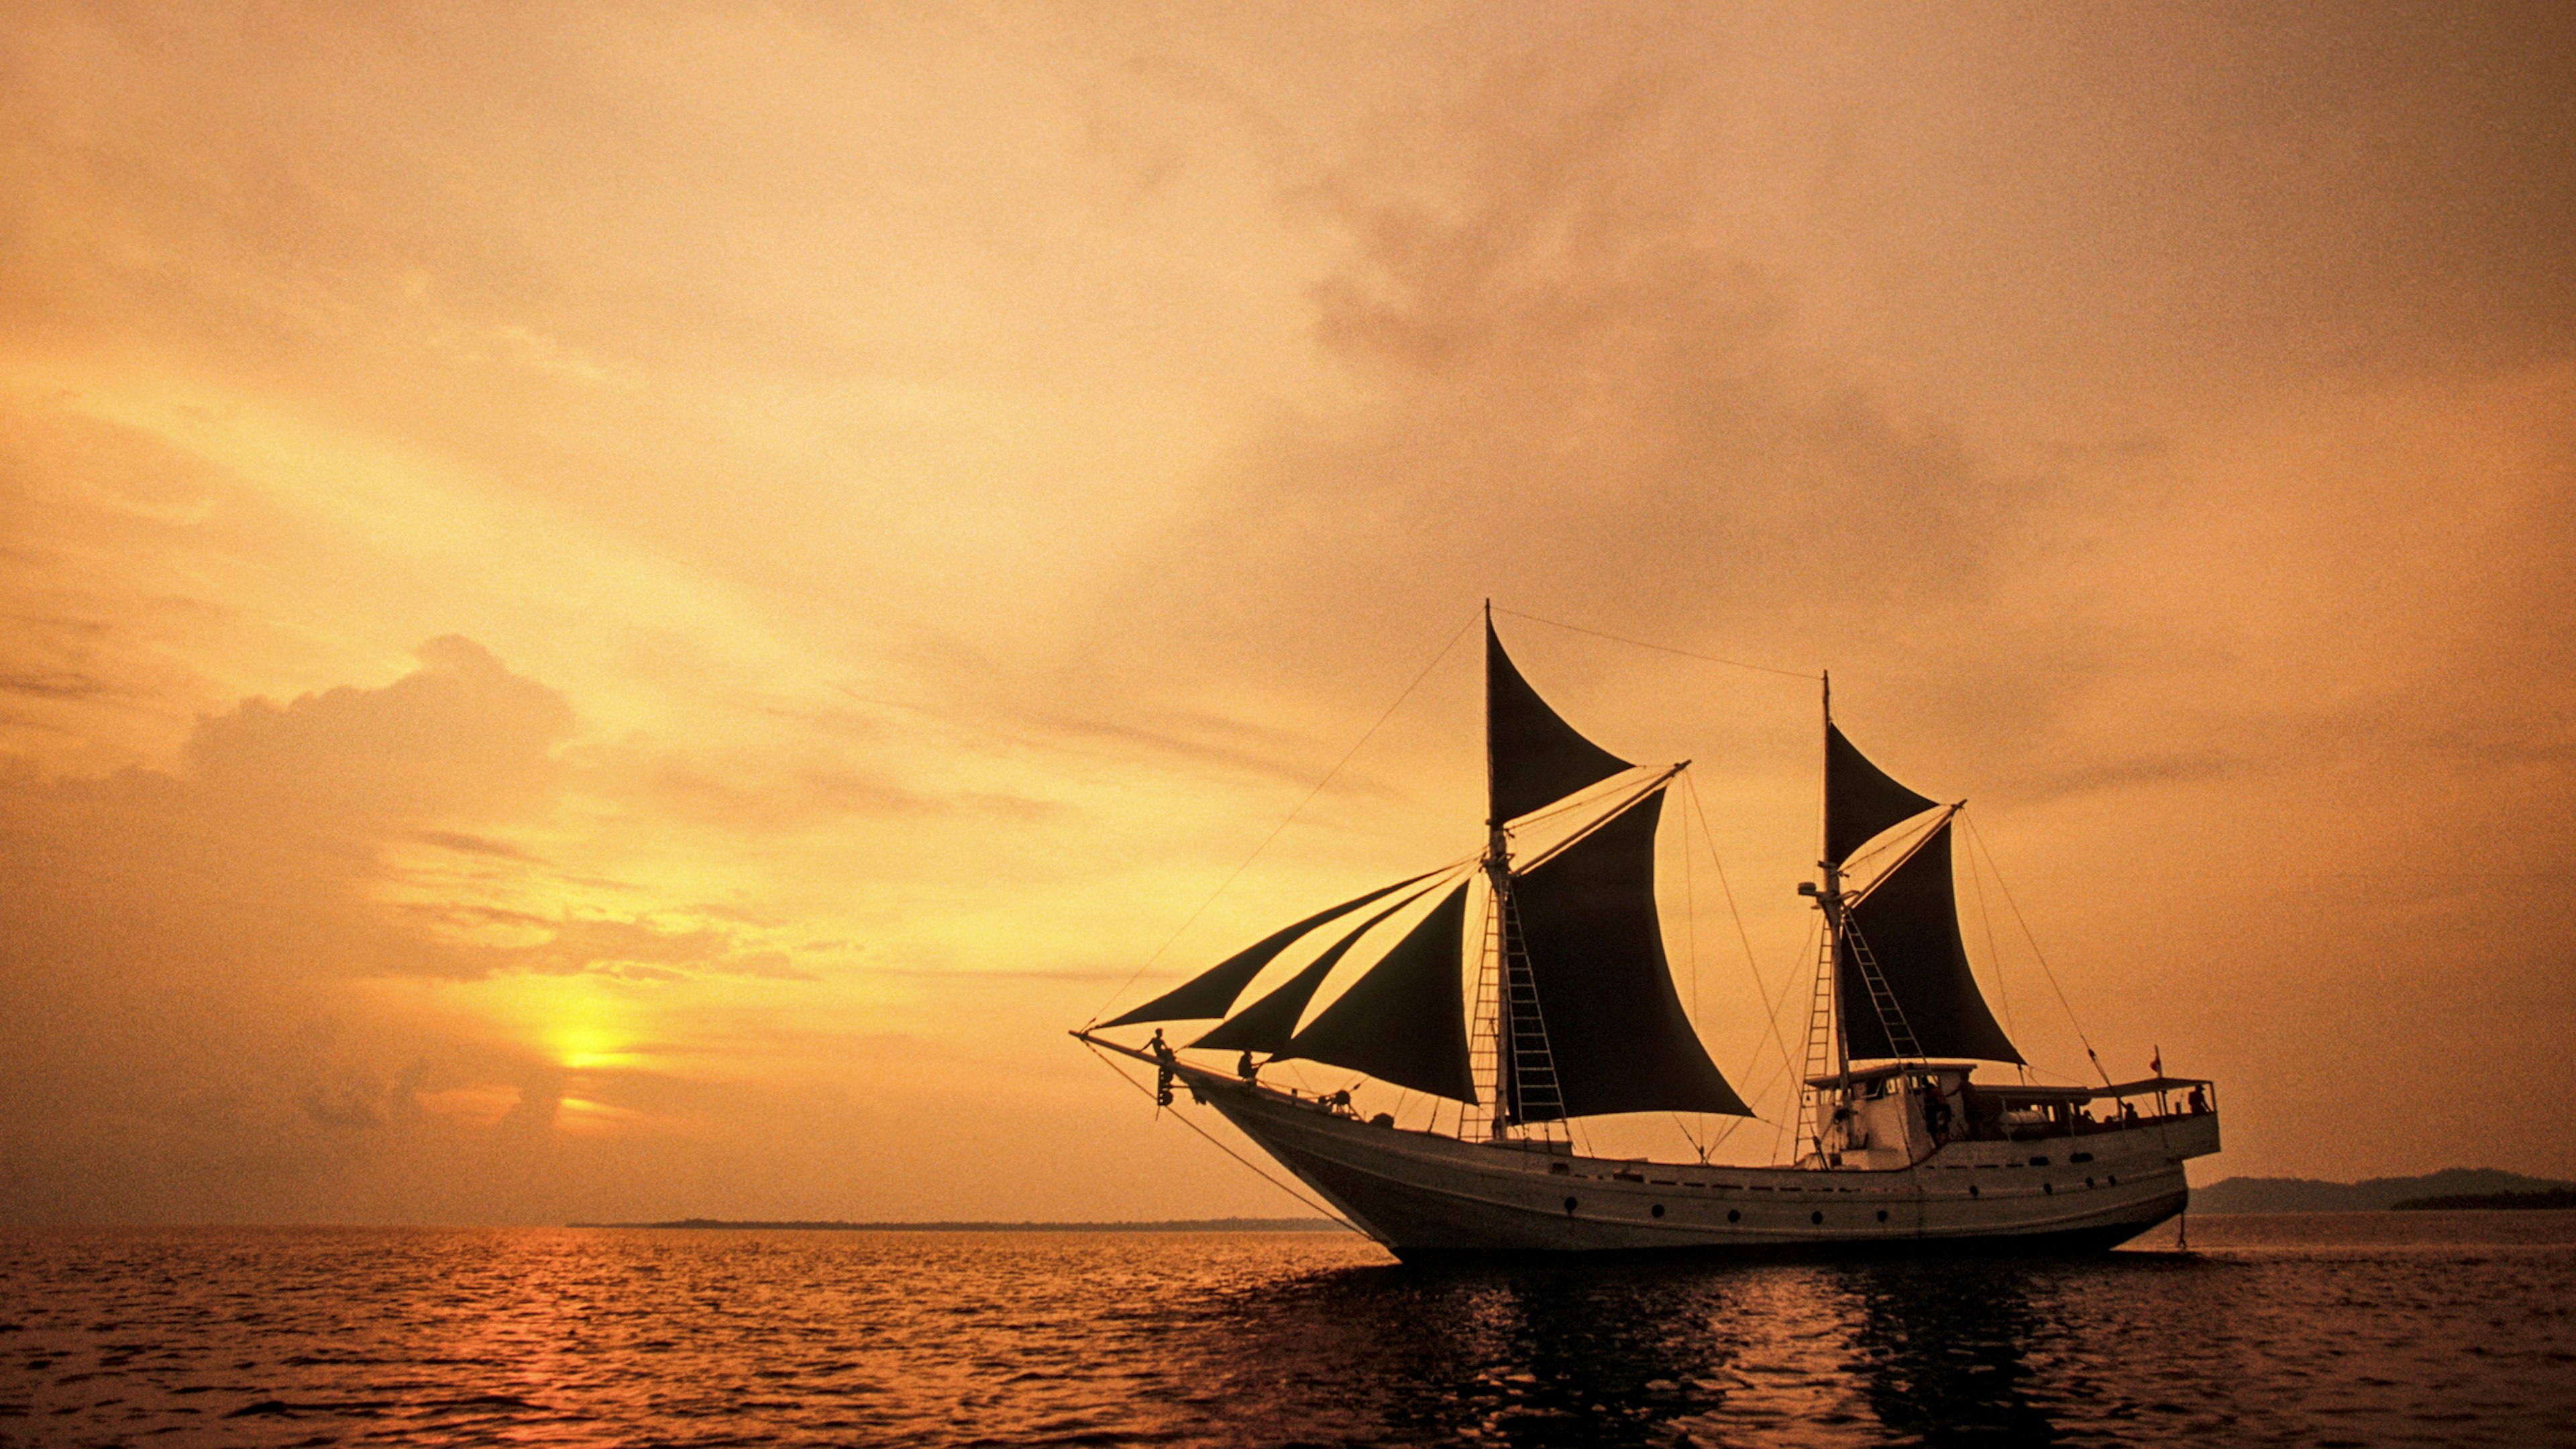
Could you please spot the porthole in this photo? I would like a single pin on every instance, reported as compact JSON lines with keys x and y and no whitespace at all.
{"x":1656,"y":1211}
{"x":2088,"y":1182}
{"x":2048,"y":1187}
{"x":2115,"y":1179}
{"x":1816,"y":1218}
{"x":1972,"y":1189}
{"x":1734,"y":1216}
{"x":1882,"y":1215}
{"x":1569,"y":1205}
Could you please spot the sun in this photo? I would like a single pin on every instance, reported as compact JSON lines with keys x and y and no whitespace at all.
{"x":587,"y":1046}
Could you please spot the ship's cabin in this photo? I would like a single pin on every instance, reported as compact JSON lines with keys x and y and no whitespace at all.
{"x":1893,"y":1114}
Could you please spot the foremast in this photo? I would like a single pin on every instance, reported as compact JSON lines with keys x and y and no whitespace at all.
{"x":1575,"y":1014}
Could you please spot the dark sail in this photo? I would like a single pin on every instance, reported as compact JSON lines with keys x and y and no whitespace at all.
{"x":1212,"y":992}
{"x":1536,"y":758}
{"x":1615,"y":1027}
{"x":1267,"y":1024}
{"x":1860,"y":799}
{"x":1405,"y":1021}
{"x":1909,"y":922}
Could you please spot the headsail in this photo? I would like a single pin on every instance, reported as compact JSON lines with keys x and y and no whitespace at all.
{"x":1861,"y":799}
{"x":1212,"y":992}
{"x":1267,"y":1024}
{"x":1908,"y":923}
{"x":1535,"y":757}
{"x":1404,"y":1021}
{"x":1615,"y":1029}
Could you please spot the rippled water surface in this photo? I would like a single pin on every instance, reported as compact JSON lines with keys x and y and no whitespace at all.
{"x":2327,"y":1330}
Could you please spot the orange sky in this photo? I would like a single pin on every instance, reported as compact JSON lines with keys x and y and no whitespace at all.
{"x":624,"y":611}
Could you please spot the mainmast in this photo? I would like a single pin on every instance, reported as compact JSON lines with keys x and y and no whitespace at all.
{"x":1490,"y":963}
{"x":1827,"y":1052}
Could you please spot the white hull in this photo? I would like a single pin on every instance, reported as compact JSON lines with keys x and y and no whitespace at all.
{"x":1426,"y":1195}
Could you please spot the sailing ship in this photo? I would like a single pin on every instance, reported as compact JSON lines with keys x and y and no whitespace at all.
{"x":1574,"y":1014}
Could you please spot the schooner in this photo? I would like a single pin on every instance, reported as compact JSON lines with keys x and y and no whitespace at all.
{"x":1574,"y":1014}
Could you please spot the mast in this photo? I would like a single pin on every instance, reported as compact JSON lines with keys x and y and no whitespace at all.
{"x":1823,"y":1003}
{"x":1498,"y":880}
{"x":1833,"y":904}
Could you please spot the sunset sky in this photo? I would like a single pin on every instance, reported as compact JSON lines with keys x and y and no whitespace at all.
{"x":626,"y":611}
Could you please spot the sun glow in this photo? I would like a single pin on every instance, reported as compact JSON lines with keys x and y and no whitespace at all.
{"x":588,"y":1046}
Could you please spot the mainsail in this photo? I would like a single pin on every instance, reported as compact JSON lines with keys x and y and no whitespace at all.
{"x":1907,"y":925}
{"x":1584,"y":919}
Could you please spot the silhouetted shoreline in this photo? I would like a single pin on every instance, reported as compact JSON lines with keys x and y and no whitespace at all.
{"x":2553,"y":1200}
{"x":1175,"y":1225}
{"x":2450,"y":1188}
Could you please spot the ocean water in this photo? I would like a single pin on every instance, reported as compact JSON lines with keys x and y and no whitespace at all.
{"x":2316,"y":1330}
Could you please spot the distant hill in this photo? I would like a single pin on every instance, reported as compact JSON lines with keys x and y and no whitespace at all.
{"x":2376,"y":1194}
{"x":1180,"y":1225}
{"x":2558,"y":1199}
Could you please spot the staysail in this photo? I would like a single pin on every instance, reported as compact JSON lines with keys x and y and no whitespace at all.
{"x":1616,"y":1034}
{"x":1404,"y":1022}
{"x":1267,"y":1024}
{"x":1908,"y":924}
{"x":1212,"y":992}
{"x":1534,"y":756}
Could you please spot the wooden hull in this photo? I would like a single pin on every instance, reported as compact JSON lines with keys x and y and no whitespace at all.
{"x":1427,"y":1196}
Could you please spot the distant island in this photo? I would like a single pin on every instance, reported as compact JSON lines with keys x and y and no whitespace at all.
{"x":2558,"y":1199}
{"x":1177,"y":1225}
{"x":2451,"y":1188}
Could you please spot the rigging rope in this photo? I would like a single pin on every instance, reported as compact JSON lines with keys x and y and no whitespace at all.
{"x":1292,"y":815}
{"x":1659,"y":648}
{"x":1771,"y":1009}
{"x":1221,"y":1147}
{"x":1978,"y":837}
{"x":1994,"y":953}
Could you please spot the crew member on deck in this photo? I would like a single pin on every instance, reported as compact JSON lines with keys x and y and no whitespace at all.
{"x":1244,"y":1068}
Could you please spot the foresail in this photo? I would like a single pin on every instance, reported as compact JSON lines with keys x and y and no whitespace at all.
{"x":1267,"y":1024}
{"x":1615,"y":1029}
{"x":1405,"y":1021}
{"x":1861,"y":800}
{"x":1908,"y":924}
{"x":1536,"y":758}
{"x":1212,"y":992}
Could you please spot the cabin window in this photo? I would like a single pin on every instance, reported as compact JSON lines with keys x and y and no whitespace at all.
{"x":1559,"y":1168}
{"x":1972,"y":1189}
{"x":1882,"y":1215}
{"x":2039,"y":1162}
{"x":1569,"y":1205}
{"x":1734,"y":1215}
{"x":2048,"y":1187}
{"x":1656,"y":1211}
{"x":2079,"y":1157}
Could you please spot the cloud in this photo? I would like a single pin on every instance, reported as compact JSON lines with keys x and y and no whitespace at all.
{"x":460,"y":738}
{"x":181,"y":954}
